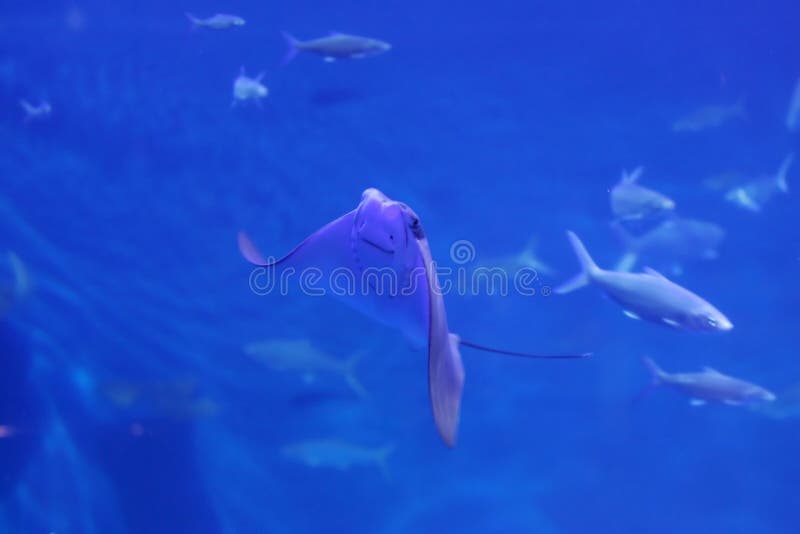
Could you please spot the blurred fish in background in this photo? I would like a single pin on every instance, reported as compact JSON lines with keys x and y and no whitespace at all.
{"x":709,"y":117}
{"x":670,"y":244}
{"x":753,"y":196}
{"x":301,"y":357}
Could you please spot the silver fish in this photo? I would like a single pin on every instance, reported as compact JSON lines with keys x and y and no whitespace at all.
{"x":672,"y":242}
{"x":220,"y":21}
{"x":754,"y":195}
{"x":648,"y":295}
{"x":298,"y":355}
{"x":336,"y":46}
{"x":793,"y":115}
{"x":709,"y":385}
{"x":246,"y":88}
{"x":709,"y":117}
{"x":334,"y":453}
{"x":631,"y":201}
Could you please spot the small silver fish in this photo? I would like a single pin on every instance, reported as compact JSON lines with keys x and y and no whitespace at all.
{"x":709,"y":385}
{"x":298,"y":355}
{"x":220,"y":21}
{"x":631,"y":201}
{"x":526,"y":258}
{"x":246,"y":88}
{"x":334,"y":453}
{"x":648,"y":295}
{"x":793,"y":115}
{"x":709,"y":117}
{"x":672,"y":242}
{"x":336,"y":46}
{"x":39,"y":112}
{"x":754,"y":195}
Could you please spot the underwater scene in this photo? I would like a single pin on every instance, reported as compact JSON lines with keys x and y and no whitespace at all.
{"x":399,"y":267}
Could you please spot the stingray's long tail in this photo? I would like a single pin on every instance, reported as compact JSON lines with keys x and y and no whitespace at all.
{"x":525,"y":354}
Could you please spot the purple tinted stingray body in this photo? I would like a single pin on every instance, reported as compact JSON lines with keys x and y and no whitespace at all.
{"x":376,"y":258}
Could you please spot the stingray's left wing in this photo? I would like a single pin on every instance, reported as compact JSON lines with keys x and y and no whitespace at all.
{"x":445,"y":369}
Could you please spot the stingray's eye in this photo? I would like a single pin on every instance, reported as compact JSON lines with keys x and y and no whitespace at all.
{"x":414,"y":222}
{"x":391,"y":237}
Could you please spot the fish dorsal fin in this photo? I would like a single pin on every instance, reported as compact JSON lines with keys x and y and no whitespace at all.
{"x":633,"y":176}
{"x":653,"y":272}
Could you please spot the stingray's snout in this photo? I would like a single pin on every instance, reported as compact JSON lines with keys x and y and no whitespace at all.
{"x":373,"y":193}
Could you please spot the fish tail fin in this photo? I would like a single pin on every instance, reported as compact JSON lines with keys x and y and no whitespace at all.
{"x":783,"y":185}
{"x":588,"y":267}
{"x":633,"y":176}
{"x":249,"y":250}
{"x":656,"y":373}
{"x":194,"y":21}
{"x":292,"y":43}
{"x":382,"y":460}
{"x":350,"y":375}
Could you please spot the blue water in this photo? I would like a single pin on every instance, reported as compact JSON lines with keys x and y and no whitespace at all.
{"x":129,"y":403}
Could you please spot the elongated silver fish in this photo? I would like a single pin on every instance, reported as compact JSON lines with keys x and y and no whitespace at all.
{"x":631,"y":201}
{"x":709,"y":385}
{"x":336,"y":46}
{"x":220,"y":21}
{"x":648,"y":295}
{"x":335,"y":453}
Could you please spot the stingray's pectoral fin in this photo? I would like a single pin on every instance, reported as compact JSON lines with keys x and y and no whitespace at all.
{"x":446,"y":383}
{"x":249,"y":250}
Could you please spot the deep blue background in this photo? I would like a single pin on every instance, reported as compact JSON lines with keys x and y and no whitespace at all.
{"x":497,"y":121}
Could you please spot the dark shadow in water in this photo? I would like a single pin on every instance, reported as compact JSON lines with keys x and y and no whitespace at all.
{"x":305,"y":401}
{"x":333,"y":97}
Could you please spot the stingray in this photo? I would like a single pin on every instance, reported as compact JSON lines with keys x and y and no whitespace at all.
{"x":377,"y":259}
